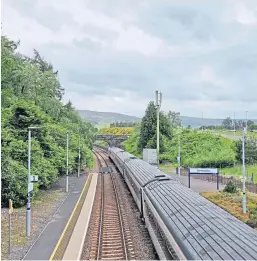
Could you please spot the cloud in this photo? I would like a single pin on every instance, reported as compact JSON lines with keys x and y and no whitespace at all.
{"x":112,"y":55}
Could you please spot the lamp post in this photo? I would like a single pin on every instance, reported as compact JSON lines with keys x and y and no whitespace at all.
{"x":158,"y":98}
{"x":246,"y":122}
{"x":244,"y":177}
{"x":202,"y":122}
{"x":79,"y":158}
{"x":234,"y":124}
{"x":67,"y":161}
{"x":179,"y":149}
{"x":30,"y":188}
{"x":179,"y":156}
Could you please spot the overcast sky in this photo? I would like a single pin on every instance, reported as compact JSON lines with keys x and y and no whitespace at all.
{"x":112,"y":55}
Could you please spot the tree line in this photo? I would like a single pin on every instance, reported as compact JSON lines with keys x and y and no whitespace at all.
{"x":31,"y":96}
{"x":197,"y":149}
{"x":230,"y":124}
{"x":123,"y":124}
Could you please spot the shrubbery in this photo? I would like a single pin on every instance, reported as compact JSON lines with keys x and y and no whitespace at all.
{"x":197,"y":149}
{"x":201,"y":150}
{"x":231,"y":187}
{"x":31,"y":96}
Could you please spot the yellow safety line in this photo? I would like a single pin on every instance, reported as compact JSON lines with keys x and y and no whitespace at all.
{"x":61,"y":237}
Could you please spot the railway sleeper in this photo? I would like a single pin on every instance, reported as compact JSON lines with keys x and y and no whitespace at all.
{"x":110,"y":244}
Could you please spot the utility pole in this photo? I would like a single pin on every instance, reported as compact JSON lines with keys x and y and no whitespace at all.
{"x":158,"y":98}
{"x":244,"y":177}
{"x":79,"y":158}
{"x":67,"y":162}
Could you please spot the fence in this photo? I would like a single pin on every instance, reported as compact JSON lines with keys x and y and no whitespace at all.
{"x":222,"y":180}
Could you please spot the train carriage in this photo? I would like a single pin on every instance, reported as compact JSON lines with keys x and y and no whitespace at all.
{"x":183,"y":225}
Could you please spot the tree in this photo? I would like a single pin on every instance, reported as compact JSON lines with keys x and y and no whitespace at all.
{"x":31,"y":94}
{"x":239,"y":124}
{"x":250,"y":122}
{"x":250,"y":151}
{"x":148,"y":131}
{"x":227,"y":123}
{"x":174,"y":118}
{"x":252,"y":127}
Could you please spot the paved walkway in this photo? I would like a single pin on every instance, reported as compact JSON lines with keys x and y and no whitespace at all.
{"x":197,"y":185}
{"x":76,"y":242}
{"x":46,"y":242}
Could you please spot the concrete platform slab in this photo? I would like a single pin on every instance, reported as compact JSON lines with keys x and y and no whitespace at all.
{"x":75,"y":246}
{"x":47,"y":240}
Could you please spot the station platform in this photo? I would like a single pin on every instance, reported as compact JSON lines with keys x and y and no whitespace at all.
{"x":197,"y":185}
{"x":45,"y":244}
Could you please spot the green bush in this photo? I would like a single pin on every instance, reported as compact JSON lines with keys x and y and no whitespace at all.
{"x":202,"y":150}
{"x":230,"y":187}
{"x":31,"y":96}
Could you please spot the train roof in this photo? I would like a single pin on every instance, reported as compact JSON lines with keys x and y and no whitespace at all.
{"x":202,"y":229}
{"x":143,"y":171}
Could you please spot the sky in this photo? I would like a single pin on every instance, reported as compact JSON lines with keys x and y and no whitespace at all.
{"x":112,"y":55}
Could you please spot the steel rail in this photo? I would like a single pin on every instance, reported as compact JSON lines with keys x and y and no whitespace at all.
{"x":98,"y":154}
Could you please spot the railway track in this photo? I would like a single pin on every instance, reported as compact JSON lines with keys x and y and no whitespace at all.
{"x":110,"y":241}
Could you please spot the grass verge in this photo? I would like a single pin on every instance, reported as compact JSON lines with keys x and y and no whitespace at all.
{"x":237,"y":172}
{"x":232,"y":203}
{"x":43,"y":206}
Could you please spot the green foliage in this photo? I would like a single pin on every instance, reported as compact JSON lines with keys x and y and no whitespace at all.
{"x":197,"y":149}
{"x":131,"y":144}
{"x":201,"y":150}
{"x":174,"y":118}
{"x":227,"y":123}
{"x":252,"y":127}
{"x":148,"y":129}
{"x":250,"y":151}
{"x":251,"y":172}
{"x":230,"y":187}
{"x":14,"y":180}
{"x":31,"y":96}
{"x":123,"y":124}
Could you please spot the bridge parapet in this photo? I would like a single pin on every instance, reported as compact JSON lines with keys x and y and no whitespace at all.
{"x":111,"y":139}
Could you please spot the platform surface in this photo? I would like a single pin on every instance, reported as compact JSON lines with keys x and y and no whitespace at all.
{"x":75,"y":246}
{"x":45,"y":244}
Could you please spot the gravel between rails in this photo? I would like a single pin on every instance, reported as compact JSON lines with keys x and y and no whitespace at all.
{"x":141,"y":244}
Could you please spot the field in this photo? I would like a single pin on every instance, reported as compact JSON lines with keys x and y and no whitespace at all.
{"x":237,"y":172}
{"x":238,"y":134}
{"x":232,"y":203}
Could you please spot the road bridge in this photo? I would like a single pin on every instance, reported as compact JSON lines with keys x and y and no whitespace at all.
{"x":111,"y":139}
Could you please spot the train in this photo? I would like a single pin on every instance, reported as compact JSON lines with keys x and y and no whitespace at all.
{"x":183,"y":225}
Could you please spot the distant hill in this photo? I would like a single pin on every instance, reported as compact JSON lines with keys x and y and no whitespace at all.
{"x":197,"y":122}
{"x":101,"y":118}
{"x":105,"y":118}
